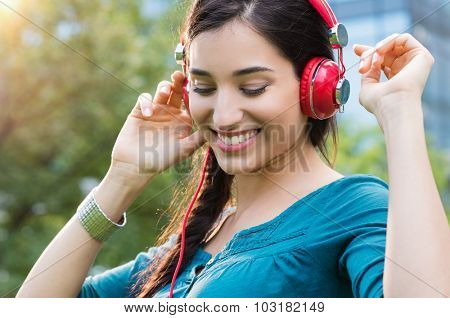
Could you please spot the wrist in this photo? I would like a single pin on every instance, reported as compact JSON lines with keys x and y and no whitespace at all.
{"x":95,"y":221}
{"x":394,"y":112}
{"x":117,"y":191}
{"x":127,"y":175}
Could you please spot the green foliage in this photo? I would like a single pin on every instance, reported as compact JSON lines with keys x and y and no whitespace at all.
{"x":61,"y":109}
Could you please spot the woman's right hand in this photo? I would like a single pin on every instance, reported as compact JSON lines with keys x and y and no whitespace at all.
{"x":156,"y":132}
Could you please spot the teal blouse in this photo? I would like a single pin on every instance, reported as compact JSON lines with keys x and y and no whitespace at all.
{"x":329,"y":243}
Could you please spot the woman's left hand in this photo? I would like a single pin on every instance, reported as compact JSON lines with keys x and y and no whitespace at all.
{"x":406,"y":64}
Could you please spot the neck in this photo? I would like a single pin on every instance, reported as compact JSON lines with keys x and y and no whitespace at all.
{"x":284,"y":180}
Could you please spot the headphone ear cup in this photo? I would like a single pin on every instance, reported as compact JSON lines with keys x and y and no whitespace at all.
{"x":318,"y":88}
{"x":186,"y":95}
{"x":305,"y":83}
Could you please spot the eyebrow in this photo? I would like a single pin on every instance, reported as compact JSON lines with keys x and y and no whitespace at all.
{"x":244,"y":71}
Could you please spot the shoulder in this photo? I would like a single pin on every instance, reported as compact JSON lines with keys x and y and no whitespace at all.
{"x":143,"y":258}
{"x":360,"y":188}
{"x":361,"y":181}
{"x":355,"y":198}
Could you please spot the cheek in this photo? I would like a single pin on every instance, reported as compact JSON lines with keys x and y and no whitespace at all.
{"x":284,"y":119}
{"x":199,"y":109}
{"x":279,"y":102}
{"x":280,"y":140}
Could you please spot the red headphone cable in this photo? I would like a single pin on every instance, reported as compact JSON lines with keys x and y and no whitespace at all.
{"x":174,"y":278}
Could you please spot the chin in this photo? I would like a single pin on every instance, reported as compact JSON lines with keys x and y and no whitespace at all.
{"x":237,"y":165}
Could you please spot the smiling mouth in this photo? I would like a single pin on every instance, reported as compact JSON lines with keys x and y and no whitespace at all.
{"x":237,"y":141}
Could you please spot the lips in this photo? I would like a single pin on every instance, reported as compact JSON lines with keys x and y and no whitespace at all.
{"x":235,"y":141}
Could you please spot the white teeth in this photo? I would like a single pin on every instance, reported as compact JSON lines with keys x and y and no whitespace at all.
{"x":237,"y":139}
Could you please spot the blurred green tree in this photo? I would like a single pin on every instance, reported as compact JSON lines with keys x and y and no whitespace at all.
{"x":70,"y":72}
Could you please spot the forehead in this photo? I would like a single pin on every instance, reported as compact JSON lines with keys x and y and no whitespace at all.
{"x":234,"y":46}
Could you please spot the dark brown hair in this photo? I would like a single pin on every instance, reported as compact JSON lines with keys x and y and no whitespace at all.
{"x":298,"y":31}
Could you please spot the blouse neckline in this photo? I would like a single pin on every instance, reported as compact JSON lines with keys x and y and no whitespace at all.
{"x":266,"y":225}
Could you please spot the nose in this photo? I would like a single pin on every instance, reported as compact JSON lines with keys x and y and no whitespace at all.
{"x":227,"y":113}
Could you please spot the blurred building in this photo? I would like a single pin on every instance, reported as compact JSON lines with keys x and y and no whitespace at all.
{"x":434,"y":33}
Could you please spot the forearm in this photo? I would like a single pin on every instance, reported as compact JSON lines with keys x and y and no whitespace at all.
{"x":418,"y":237}
{"x":62,"y":267}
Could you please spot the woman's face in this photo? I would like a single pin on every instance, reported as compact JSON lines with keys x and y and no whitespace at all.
{"x":248,"y":117}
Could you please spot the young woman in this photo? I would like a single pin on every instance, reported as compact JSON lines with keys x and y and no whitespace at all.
{"x":296,"y":227}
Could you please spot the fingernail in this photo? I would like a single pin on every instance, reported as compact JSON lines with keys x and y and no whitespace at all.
{"x":147,"y":111}
{"x":165,"y":89}
{"x":144,"y":100}
{"x":145,"y":105}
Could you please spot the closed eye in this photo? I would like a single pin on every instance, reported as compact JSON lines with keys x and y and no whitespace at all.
{"x":249,"y":92}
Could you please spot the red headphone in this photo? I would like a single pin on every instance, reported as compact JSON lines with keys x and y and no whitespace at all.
{"x":323,"y":91}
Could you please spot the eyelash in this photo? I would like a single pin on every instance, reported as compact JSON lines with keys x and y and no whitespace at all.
{"x":250,"y":92}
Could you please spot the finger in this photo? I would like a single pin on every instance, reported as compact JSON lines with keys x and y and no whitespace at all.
{"x":371,"y":76}
{"x":366,"y":60}
{"x":387,"y":71}
{"x":145,"y":104}
{"x":371,"y":55}
{"x":372,"y":72}
{"x":163,"y":92}
{"x":386,"y":44}
{"x":177,"y":91}
{"x":168,"y":113}
{"x":403,"y":42}
{"x":360,"y":48}
{"x":377,"y":60}
{"x":390,"y":57}
{"x":398,"y":64}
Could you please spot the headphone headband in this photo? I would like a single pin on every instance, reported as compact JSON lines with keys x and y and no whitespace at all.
{"x":337,"y":33}
{"x":324,"y":9}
